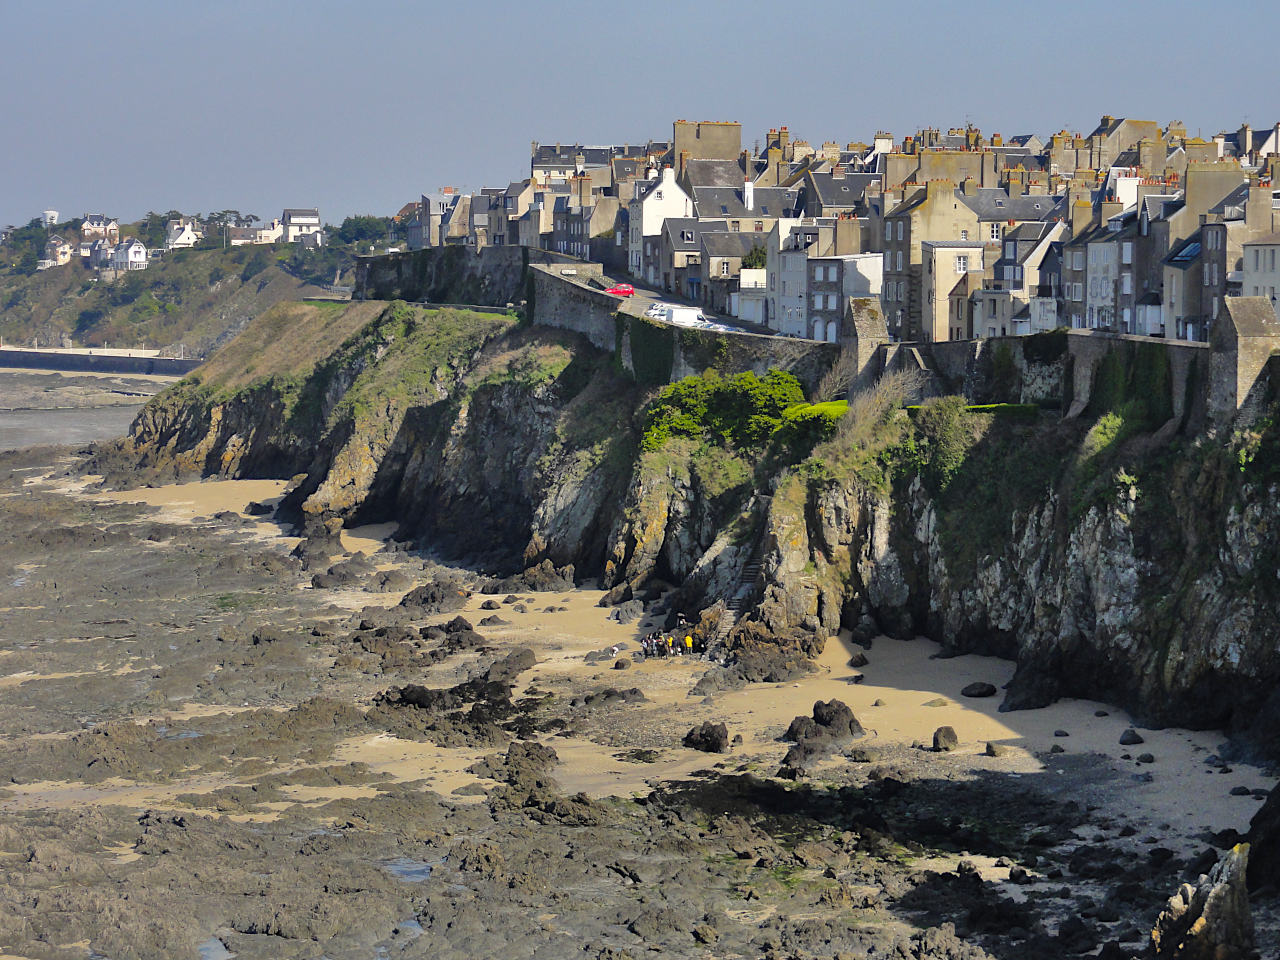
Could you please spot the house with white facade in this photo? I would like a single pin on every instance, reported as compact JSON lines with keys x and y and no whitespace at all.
{"x":182,"y":233}
{"x":129,"y":254}
{"x":302,"y":226}
{"x":265,"y":233}
{"x":662,"y":198}
{"x":96,"y":226}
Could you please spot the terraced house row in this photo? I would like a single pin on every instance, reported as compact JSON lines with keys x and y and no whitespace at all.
{"x":1135,"y":228}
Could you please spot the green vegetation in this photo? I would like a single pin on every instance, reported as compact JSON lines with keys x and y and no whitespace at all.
{"x":755,"y":259}
{"x":743,"y":410}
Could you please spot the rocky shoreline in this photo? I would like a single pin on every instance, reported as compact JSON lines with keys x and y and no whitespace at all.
{"x":214,"y":732}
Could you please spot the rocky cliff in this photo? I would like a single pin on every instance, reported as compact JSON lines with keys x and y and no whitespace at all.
{"x":1110,"y":555}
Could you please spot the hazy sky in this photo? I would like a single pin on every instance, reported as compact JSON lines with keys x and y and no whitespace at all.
{"x":201,"y":105}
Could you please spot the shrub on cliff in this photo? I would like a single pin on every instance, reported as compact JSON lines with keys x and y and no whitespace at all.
{"x":743,"y":410}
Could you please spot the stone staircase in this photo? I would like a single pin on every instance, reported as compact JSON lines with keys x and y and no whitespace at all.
{"x":740,"y":598}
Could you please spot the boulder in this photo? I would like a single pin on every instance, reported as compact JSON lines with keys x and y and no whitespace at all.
{"x":979,"y":689}
{"x":1130,"y":738}
{"x":1210,"y":920}
{"x":708,"y":737}
{"x":622,"y":663}
{"x":945,"y":739}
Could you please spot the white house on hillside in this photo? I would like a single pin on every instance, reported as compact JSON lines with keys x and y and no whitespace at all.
{"x":182,"y":233}
{"x":300,"y":224}
{"x":129,"y":254}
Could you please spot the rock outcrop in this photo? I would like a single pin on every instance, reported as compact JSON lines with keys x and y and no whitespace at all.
{"x":1209,"y":920}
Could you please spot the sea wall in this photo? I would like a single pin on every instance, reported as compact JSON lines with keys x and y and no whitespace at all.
{"x":96,"y":362}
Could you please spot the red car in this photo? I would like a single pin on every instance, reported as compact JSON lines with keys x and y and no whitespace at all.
{"x":622,"y":290}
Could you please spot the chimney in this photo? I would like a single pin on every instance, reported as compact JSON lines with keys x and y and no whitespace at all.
{"x":748,"y":193}
{"x":1081,"y":216}
{"x":969,"y":186}
{"x":837,"y":171}
{"x":1016,"y":185}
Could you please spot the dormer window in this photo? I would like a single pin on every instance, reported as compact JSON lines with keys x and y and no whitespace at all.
{"x":999,"y":203}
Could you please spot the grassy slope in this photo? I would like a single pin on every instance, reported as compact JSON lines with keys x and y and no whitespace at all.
{"x":195,"y":297}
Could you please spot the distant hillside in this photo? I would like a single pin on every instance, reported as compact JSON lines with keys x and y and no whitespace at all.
{"x":199,"y":298}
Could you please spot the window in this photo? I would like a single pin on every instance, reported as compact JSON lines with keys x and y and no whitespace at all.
{"x":817,"y":301}
{"x":1126,"y":283}
{"x":759,"y":226}
{"x":964,"y":234}
{"x":733,"y":227}
{"x":1077,"y":260}
{"x":831,"y":301}
{"x":1257,"y":259}
{"x":1273,"y":258}
{"x":1010,"y":250}
{"x":773,"y":281}
{"x":1126,"y":252}
{"x":899,"y":261}
{"x":888,"y":229}
{"x":724,"y":268}
{"x":817,"y":273}
{"x":902,"y":290}
{"x":962,"y":263}
{"x":994,"y":233}
{"x":900,"y":226}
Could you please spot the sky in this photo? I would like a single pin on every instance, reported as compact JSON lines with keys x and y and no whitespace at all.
{"x":361,"y":107}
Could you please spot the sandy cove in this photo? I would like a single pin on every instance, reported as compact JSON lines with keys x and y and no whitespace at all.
{"x":1178,"y":796}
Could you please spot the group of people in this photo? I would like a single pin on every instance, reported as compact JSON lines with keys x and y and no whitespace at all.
{"x":680,"y":643}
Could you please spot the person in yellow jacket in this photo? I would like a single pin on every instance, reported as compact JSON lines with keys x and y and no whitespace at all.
{"x":688,"y":645}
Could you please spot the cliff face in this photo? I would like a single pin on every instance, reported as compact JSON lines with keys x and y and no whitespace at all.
{"x":1157,"y":593}
{"x":1108,"y":556}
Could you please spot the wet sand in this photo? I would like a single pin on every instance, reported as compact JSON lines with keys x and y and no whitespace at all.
{"x":270,"y":749}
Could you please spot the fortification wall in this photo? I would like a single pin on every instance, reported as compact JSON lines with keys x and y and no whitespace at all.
{"x":96,"y":363}
{"x":656,"y":352}
{"x":1058,"y":367}
{"x":492,"y":276}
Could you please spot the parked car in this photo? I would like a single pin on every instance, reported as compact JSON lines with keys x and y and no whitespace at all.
{"x":622,"y":290}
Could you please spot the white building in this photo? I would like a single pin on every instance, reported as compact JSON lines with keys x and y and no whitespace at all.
{"x":750,"y":301}
{"x":662,"y":198}
{"x":129,"y":254}
{"x":301,"y":224}
{"x":182,"y":233}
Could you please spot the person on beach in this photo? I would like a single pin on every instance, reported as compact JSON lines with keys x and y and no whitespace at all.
{"x":688,"y":645}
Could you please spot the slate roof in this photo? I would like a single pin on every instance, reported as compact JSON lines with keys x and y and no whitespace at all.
{"x":714,"y":173}
{"x":723,"y":243}
{"x":845,"y":191}
{"x":1268,"y":240}
{"x":627,"y":168}
{"x":1253,"y":316}
{"x":677,"y":227}
{"x":727,"y":202}
{"x":1232,"y":205}
{"x":1157,"y":205}
{"x":993,"y":203}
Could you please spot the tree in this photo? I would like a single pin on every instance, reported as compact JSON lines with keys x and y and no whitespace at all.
{"x":363,"y":228}
{"x":755,"y":258}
